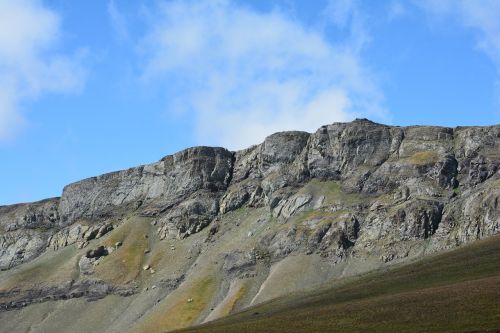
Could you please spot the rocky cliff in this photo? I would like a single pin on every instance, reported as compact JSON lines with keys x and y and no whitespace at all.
{"x":356,"y":195}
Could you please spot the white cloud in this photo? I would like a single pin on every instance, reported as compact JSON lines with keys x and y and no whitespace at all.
{"x":481,"y":16}
{"x":9,"y":118}
{"x":29,"y":66}
{"x":396,"y":9}
{"x":117,"y":21}
{"x":244,"y":74}
{"x":348,"y":15}
{"x":340,"y":12}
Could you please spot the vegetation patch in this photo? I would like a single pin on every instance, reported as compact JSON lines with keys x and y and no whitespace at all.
{"x":157,"y":255}
{"x":233,"y":301}
{"x":332,"y":191}
{"x":125,"y":264}
{"x":60,"y":266}
{"x":423,"y":158}
{"x":318,"y":217}
{"x":188,"y":307}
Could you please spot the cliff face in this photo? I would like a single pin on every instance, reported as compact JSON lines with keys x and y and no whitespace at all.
{"x":149,"y":189}
{"x":423,"y":167}
{"x":24,"y":230}
{"x":349,"y":191}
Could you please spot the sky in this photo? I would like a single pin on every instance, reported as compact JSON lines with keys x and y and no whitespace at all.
{"x":93,"y":86}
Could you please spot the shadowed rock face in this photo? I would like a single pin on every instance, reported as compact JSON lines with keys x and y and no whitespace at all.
{"x":421,"y":180}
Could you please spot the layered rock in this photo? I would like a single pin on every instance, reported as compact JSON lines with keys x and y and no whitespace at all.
{"x":79,"y":234}
{"x":24,"y":230}
{"x":149,"y":189}
{"x":89,"y":289}
{"x":422,"y":183}
{"x":399,"y":185}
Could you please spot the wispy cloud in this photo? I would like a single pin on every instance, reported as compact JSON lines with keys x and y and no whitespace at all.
{"x":483,"y":17}
{"x":348,"y":15}
{"x":340,"y":12}
{"x":396,"y":9}
{"x":29,"y":64}
{"x":244,"y":74}
{"x":117,"y":21}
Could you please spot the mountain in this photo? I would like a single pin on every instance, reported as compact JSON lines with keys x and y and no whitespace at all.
{"x":208,"y":232}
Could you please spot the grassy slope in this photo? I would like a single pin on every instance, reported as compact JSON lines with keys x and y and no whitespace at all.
{"x":457,"y":291}
{"x":177,"y":311}
{"x":57,"y":267}
{"x":125,"y":265}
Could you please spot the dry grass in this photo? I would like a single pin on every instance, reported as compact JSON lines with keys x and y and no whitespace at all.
{"x":158,"y":255}
{"x":423,"y":158}
{"x":232,"y":302}
{"x":125,"y":264}
{"x":57,"y":267}
{"x":332,"y":191}
{"x":167,"y":316}
{"x":321,"y":217}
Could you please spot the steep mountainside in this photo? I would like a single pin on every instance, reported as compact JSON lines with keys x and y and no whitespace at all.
{"x":207,"y":232}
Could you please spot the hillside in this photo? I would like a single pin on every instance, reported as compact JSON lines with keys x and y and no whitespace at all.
{"x":206,"y":232}
{"x":457,"y":291}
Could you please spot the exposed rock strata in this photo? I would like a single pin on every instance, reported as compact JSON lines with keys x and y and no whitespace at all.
{"x":421,"y":182}
{"x":90,"y":289}
{"x":25,"y":229}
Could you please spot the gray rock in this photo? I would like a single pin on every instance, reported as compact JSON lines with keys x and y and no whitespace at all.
{"x":24,"y":230}
{"x":417,"y":183}
{"x":289,"y":207}
{"x":190,"y":216}
{"x":86,"y":265}
{"x":37,"y":215}
{"x":79,"y":234}
{"x":157,"y":186}
{"x":239,"y":264}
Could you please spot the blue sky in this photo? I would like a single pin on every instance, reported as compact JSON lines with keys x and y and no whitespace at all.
{"x":93,"y":86}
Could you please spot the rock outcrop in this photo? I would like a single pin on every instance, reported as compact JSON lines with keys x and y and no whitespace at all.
{"x":432,"y":180}
{"x":89,"y":289}
{"x":356,"y":192}
{"x":149,"y":189}
{"x":25,"y":229}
